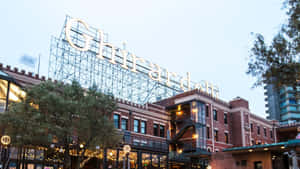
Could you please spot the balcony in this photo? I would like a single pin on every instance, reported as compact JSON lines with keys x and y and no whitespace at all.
{"x":178,"y":157}
{"x":141,"y":142}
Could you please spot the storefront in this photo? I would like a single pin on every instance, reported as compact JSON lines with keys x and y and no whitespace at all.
{"x":30,"y":158}
{"x":40,"y":158}
{"x":282,"y":155}
{"x":137,"y":159}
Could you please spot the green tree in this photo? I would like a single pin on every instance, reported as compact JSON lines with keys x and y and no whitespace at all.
{"x":278,"y":62}
{"x":65,"y":115}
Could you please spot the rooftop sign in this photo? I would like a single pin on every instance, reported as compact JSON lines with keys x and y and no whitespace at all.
{"x":94,"y":41}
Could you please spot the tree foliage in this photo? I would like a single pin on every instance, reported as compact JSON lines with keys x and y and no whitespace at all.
{"x":65,"y":115}
{"x":278,"y":62}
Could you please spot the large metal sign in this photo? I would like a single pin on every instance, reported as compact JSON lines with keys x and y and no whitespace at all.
{"x":83,"y":53}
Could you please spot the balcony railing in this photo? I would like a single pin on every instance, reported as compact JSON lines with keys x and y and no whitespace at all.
{"x":145,"y":143}
{"x":174,"y":156}
{"x":188,"y":147}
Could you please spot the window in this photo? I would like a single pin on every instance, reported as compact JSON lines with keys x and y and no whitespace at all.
{"x":143,"y":127}
{"x":162,"y":131}
{"x":124,"y":124}
{"x":225,"y":118}
{"x":258,"y":165}
{"x":116,"y":121}
{"x":216,"y":135}
{"x":29,"y":154}
{"x":271,"y":134}
{"x":155,"y":161}
{"x":215,"y":115}
{"x":251,"y":127}
{"x":265,"y":132}
{"x":207,"y":132}
{"x":258,"y":130}
{"x":136,"y":126}
{"x":206,"y":111}
{"x":14,"y":153}
{"x":146,"y":160}
{"x":292,"y":101}
{"x":226,"y":138}
{"x":244,"y":163}
{"x":3,"y":95}
{"x":163,"y":161}
{"x":39,"y":154}
{"x":155,"y":129}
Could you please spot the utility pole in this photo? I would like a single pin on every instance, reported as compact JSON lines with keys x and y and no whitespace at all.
{"x":39,"y":64}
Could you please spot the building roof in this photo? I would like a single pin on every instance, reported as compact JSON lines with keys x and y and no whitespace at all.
{"x":7,"y":77}
{"x":290,"y":143}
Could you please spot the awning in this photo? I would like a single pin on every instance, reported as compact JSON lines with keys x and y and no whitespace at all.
{"x":280,"y":145}
{"x":5,"y":76}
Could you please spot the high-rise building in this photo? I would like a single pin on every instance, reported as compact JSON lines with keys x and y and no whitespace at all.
{"x":282,"y":104}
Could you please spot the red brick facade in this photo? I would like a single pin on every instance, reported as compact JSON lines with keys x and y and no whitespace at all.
{"x":227,"y":124}
{"x":239,"y":120}
{"x":242,"y":126}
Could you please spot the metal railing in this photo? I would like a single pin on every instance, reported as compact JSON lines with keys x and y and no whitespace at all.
{"x":143,"y":142}
{"x":174,"y":156}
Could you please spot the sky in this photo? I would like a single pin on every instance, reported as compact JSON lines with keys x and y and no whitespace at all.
{"x":209,"y":39}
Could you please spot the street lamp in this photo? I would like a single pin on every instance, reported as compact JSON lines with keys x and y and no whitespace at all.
{"x":5,"y":141}
{"x":195,"y":136}
{"x":126,"y":149}
{"x":81,"y":145}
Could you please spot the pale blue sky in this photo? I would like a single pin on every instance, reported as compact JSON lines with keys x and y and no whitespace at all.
{"x":209,"y":39}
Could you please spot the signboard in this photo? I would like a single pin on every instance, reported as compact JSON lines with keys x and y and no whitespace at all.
{"x":5,"y":140}
{"x":83,"y":53}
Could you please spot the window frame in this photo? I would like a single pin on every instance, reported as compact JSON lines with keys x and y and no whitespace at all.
{"x":161,"y":134}
{"x":225,"y":118}
{"x":156,"y":130}
{"x":216,"y":135}
{"x":265,"y":132}
{"x":126,"y":124}
{"x":136,"y":129}
{"x":215,"y":114}
{"x":145,"y":127}
{"x":206,"y":110}
{"x":208,"y":132}
{"x":226,"y":138}
{"x":118,"y":122}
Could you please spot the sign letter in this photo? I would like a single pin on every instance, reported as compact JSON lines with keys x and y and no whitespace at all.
{"x":158,"y":72}
{"x":68,"y":34}
{"x":188,"y":80}
{"x":134,"y":60}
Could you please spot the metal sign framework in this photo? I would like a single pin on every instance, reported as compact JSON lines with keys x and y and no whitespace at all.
{"x":67,"y":64}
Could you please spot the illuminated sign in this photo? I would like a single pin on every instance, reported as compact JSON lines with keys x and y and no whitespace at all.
{"x":5,"y":140}
{"x":130,"y":61}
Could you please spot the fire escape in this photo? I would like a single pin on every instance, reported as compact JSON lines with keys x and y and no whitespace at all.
{"x":188,"y":135}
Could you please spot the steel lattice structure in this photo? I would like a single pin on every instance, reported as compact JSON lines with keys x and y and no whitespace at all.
{"x":67,"y":64}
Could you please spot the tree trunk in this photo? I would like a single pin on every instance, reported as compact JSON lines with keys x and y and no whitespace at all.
{"x":78,"y":161}
{"x":67,"y":158}
{"x":23,"y":158}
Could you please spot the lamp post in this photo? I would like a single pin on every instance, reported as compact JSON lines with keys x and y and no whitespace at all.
{"x":126,"y":150}
{"x":98,"y":153}
{"x":5,"y":141}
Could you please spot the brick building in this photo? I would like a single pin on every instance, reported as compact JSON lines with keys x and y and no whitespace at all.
{"x":189,"y":130}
